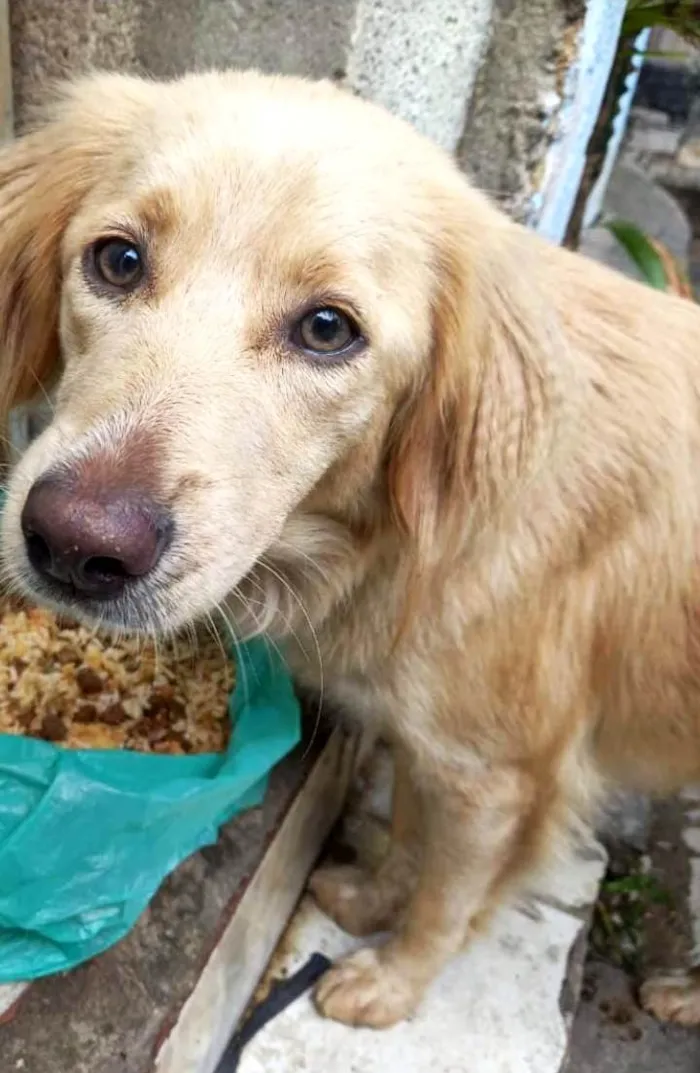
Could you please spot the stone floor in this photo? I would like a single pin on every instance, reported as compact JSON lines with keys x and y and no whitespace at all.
{"x":532,"y":996}
{"x":612,"y":1035}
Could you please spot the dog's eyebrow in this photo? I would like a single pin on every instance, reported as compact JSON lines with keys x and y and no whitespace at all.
{"x":158,"y":210}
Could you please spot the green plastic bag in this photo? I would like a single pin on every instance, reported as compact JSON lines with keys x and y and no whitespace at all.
{"x":87,"y":836}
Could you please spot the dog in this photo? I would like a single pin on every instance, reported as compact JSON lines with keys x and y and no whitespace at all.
{"x":309,"y":382}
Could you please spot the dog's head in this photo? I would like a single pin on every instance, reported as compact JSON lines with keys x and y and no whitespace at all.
{"x":259,"y":299}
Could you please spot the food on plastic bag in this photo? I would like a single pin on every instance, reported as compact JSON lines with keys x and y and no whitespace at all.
{"x":66,"y":684}
{"x":88,"y":835}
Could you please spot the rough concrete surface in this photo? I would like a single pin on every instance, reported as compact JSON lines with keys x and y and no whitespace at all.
{"x":508,"y":129}
{"x":419,"y":60}
{"x":612,"y":1035}
{"x":521,"y":131}
{"x":444,"y":42}
{"x":310,"y":38}
{"x":494,"y":1010}
{"x":53,"y":40}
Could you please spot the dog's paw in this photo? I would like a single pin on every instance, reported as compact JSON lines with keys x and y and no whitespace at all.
{"x":366,"y":990}
{"x":353,"y":899}
{"x":673,"y":997}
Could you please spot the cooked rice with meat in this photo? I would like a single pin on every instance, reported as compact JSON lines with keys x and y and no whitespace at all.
{"x":64,"y":683}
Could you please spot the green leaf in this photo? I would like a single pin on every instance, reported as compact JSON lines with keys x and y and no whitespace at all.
{"x":641,"y":252}
{"x":681,"y":16}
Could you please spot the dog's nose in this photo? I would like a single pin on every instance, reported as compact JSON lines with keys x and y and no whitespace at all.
{"x":93,"y":544}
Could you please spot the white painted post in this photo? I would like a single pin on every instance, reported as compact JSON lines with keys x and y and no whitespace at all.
{"x":595,"y":198}
{"x":582,"y":97}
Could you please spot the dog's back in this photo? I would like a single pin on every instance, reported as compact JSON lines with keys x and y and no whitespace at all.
{"x":641,"y":351}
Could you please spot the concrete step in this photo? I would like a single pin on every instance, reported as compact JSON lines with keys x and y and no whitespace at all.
{"x":505,"y":1006}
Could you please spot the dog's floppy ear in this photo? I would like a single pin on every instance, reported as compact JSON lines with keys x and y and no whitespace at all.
{"x":43,"y":178}
{"x":477,"y":412}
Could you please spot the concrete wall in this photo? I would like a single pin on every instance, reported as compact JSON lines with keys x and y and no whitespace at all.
{"x":511,"y":86}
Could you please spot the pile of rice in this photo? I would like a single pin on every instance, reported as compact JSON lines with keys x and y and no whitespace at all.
{"x":65,"y":684}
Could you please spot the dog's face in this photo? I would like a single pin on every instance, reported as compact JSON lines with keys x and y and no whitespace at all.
{"x":241,"y":277}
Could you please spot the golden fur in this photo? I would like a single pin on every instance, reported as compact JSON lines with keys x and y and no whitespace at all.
{"x":483,"y":530}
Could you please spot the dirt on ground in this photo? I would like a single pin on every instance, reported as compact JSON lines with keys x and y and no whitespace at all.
{"x":641,"y":923}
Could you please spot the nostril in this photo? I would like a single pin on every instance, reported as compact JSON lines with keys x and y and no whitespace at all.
{"x":38,"y":552}
{"x":102,"y":568}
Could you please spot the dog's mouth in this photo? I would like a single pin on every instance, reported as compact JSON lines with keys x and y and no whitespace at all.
{"x":140,"y":606}
{"x":178,"y":597}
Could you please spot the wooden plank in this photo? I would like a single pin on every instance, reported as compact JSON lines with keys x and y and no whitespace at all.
{"x":6,"y":112}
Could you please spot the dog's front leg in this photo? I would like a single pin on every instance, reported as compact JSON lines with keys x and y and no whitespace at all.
{"x":362,"y":902}
{"x":474,"y":838}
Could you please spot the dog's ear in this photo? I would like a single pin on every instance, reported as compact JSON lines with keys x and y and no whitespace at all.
{"x":44,"y":176}
{"x":476,"y":414}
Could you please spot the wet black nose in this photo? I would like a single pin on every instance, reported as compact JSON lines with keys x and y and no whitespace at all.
{"x":93,"y":544}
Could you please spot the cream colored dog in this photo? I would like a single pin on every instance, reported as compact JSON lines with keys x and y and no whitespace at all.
{"x":314,"y":382}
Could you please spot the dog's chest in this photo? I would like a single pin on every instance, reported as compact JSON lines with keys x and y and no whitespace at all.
{"x":351,"y":693}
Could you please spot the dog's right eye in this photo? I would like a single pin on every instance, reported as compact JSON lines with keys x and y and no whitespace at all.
{"x":118,"y":263}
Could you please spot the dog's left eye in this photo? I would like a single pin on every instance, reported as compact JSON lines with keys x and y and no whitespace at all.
{"x":326,"y":332}
{"x":118,"y":262}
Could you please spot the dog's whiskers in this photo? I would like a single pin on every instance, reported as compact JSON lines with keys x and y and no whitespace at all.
{"x":295,"y":596}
